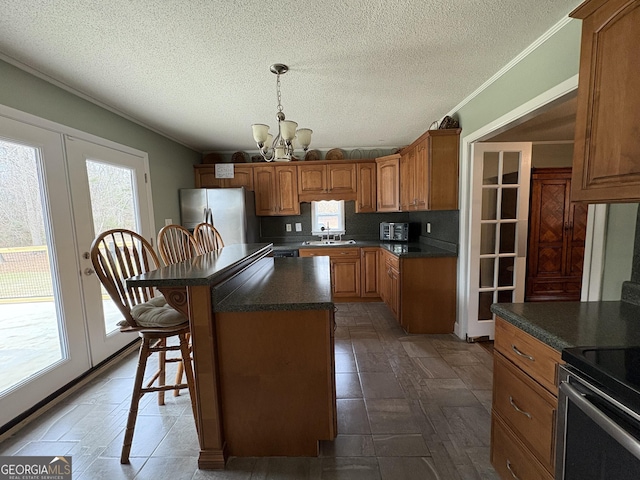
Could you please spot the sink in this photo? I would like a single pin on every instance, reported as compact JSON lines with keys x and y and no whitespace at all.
{"x":329,"y":243}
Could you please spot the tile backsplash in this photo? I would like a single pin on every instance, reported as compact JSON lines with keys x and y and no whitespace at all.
{"x":361,"y":226}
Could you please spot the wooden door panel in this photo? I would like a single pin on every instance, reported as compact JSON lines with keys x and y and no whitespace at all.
{"x":342,"y":178}
{"x":312,"y":179}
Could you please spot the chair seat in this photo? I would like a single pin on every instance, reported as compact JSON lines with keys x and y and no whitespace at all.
{"x":155,"y":313}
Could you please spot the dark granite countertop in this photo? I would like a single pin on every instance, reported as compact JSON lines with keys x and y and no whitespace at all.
{"x":400,"y":249}
{"x":281,"y":284}
{"x":575,"y":324}
{"x":203,"y":269}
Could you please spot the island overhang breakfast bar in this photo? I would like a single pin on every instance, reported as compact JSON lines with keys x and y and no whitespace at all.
{"x":262,"y":333}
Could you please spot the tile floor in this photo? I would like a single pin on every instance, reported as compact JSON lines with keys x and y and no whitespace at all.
{"x":409,"y":407}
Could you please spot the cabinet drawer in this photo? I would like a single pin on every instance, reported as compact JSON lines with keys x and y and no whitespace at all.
{"x":509,"y":456}
{"x":332,"y":252}
{"x":392,"y":261}
{"x":527,"y":408}
{"x":536,"y":359}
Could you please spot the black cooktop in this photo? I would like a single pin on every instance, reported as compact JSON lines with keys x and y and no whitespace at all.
{"x":616,"y":369}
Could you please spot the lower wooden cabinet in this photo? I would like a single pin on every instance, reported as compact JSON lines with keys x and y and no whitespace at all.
{"x":510,"y":457}
{"x":420,"y":291}
{"x":369,"y":272}
{"x":345,"y":268}
{"x":524,"y":404}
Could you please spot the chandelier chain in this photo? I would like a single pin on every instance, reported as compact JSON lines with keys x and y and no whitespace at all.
{"x":278,"y":92}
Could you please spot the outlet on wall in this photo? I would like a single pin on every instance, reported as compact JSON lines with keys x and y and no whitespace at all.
{"x":428,"y":227}
{"x":168,"y":221}
{"x":298,"y":227}
{"x":288,"y":227}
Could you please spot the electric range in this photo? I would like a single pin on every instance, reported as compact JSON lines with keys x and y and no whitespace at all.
{"x":616,"y":369}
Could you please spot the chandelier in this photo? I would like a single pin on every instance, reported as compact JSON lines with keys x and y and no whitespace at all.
{"x":281,"y":147}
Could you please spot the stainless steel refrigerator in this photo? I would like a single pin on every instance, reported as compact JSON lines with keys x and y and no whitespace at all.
{"x":231,"y":210}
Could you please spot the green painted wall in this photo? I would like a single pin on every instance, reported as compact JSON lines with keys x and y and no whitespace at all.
{"x":553,"y":62}
{"x":621,"y":229}
{"x":169,"y":162}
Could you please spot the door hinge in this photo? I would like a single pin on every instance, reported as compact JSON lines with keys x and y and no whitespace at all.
{"x":146,"y":180}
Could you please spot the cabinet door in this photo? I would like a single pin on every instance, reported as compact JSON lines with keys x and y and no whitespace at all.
{"x":606,"y":161}
{"x":341,"y":179}
{"x":388,"y":180}
{"x":394,"y":292}
{"x":242,"y":177}
{"x":407,"y":180}
{"x":205,"y":177}
{"x":265,"y":188}
{"x":422,"y":176}
{"x":312,"y":179}
{"x":345,"y":274}
{"x":443,"y":150}
{"x":287,"y":190}
{"x":369,"y":272}
{"x":366,"y":178}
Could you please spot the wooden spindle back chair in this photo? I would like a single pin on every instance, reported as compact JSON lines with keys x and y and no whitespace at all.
{"x":176,"y":244}
{"x":207,"y":237}
{"x":117,"y":255}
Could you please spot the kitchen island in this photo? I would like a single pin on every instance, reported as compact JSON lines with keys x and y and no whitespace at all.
{"x":262,"y":339}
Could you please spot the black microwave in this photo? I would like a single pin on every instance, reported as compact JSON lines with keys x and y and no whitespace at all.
{"x":394,"y":232}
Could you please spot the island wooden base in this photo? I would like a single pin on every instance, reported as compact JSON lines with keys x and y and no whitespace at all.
{"x":277,"y":382}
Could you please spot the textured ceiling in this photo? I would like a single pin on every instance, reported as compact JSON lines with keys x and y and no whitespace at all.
{"x":363,"y":73}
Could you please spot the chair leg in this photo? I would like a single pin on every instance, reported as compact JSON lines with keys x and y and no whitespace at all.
{"x":162,"y":370}
{"x":135,"y":400}
{"x":188,"y":370}
{"x":179,"y":373}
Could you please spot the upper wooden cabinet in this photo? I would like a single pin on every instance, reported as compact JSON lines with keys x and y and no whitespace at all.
{"x":205,"y":177}
{"x":426,"y":177}
{"x":388,"y":183}
{"x":276,"y":188}
{"x":327,"y":181}
{"x":366,"y":187}
{"x":606,"y":162}
{"x":408,"y":180}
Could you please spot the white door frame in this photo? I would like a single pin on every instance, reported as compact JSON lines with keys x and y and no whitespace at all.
{"x":594,"y":248}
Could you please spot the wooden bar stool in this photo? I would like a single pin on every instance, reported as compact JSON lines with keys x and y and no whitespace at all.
{"x":120,"y":254}
{"x":207,"y":237}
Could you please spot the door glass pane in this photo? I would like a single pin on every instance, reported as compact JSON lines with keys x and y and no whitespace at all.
{"x":505,"y":271}
{"x":505,"y":296}
{"x":510,"y":167}
{"x":490,"y":168}
{"x":489,"y":203}
{"x":486,"y":272}
{"x":509,"y":208}
{"x":487,"y":238}
{"x":113,"y":205}
{"x":30,"y":332}
{"x":485,"y":299}
{"x":507,"y":237}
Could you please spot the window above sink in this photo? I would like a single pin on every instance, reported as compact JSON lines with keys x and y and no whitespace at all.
{"x":327,"y":219}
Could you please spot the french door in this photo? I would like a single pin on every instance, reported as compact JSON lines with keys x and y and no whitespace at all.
{"x":54,"y":323}
{"x":499,"y":221}
{"x":108,"y":190}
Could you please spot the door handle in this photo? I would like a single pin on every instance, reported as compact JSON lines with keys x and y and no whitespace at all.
{"x":89,"y":271}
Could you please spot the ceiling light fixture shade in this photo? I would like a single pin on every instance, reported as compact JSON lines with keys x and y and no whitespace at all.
{"x":281,"y":147}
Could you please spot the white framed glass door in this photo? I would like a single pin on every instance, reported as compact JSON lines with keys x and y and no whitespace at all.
{"x":109,"y":190}
{"x":42,"y":332}
{"x":499,"y":224}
